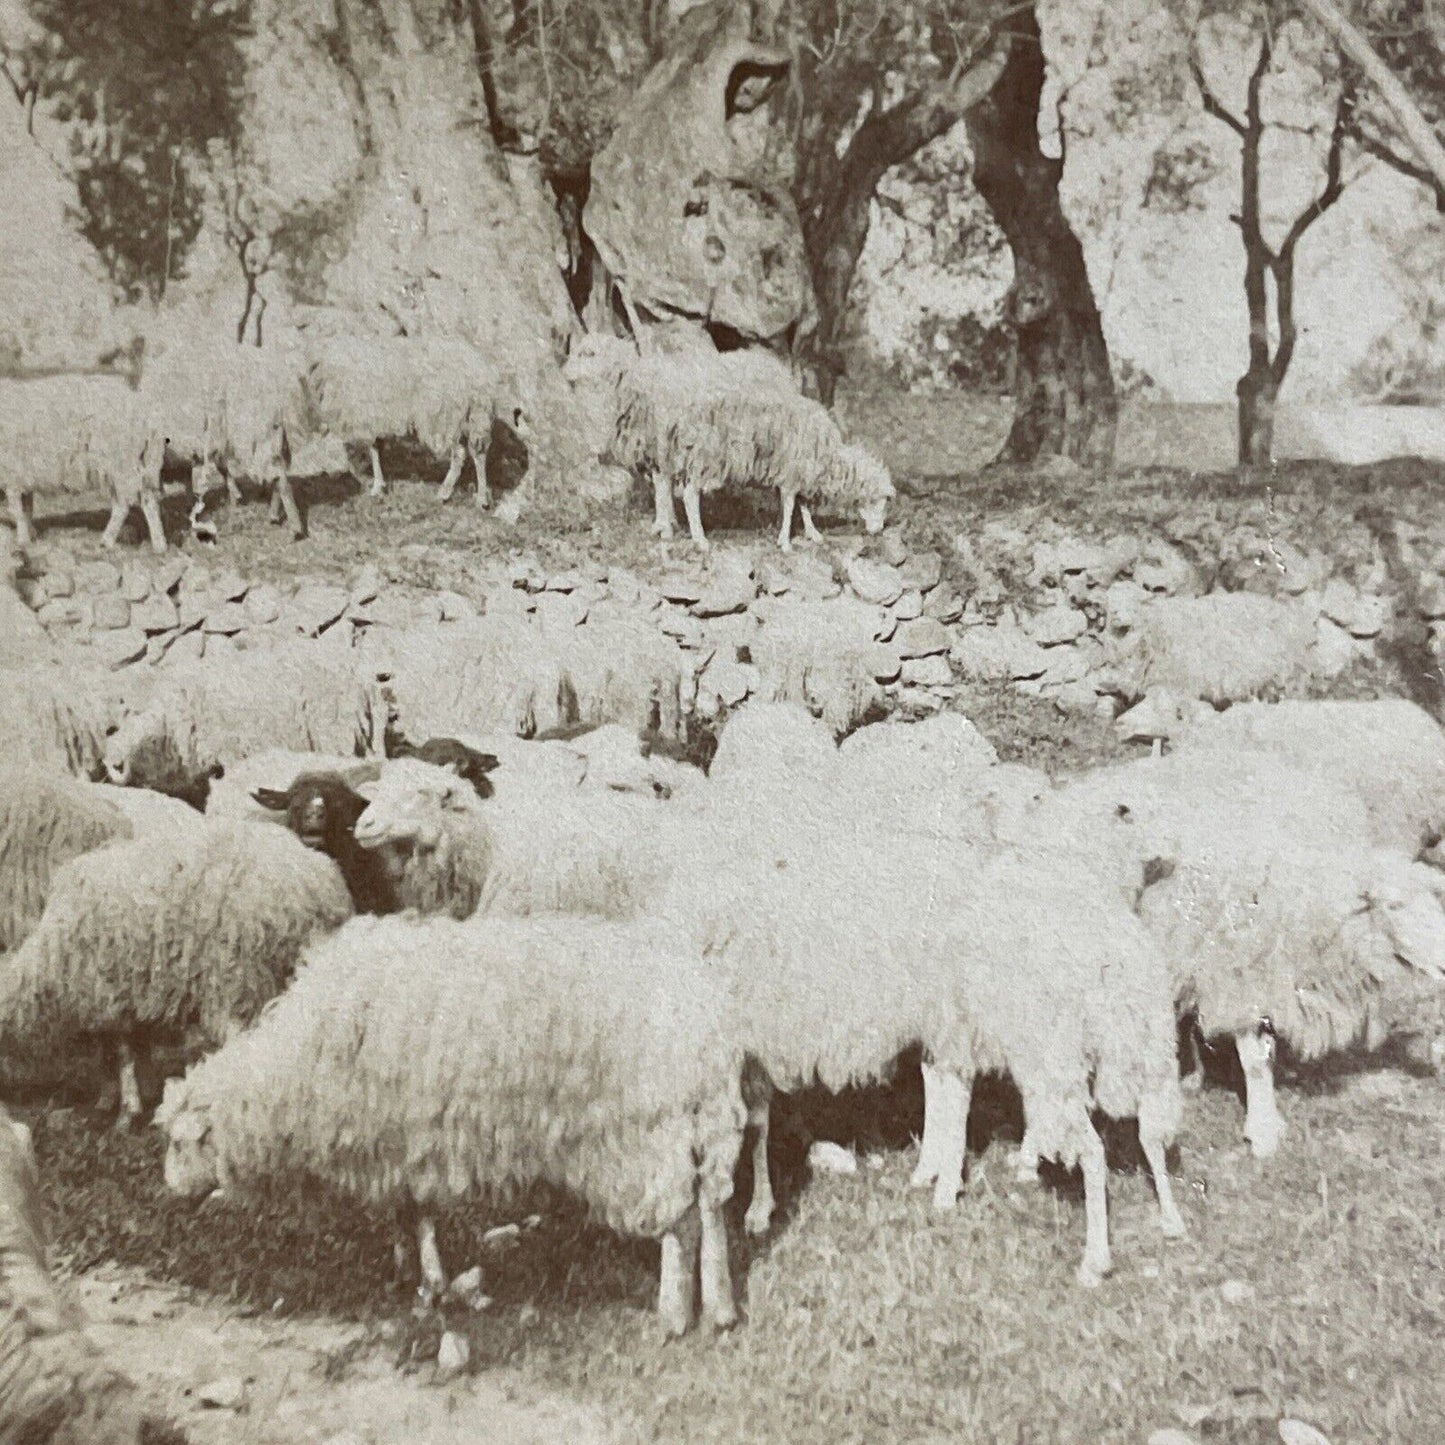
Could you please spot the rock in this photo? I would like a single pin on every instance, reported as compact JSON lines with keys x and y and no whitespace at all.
{"x":63,"y":612}
{"x":1236,"y":1291}
{"x":567,"y":581}
{"x":155,"y":614}
{"x":943,"y":604}
{"x":1078,"y":699}
{"x":58,"y":584}
{"x":453,"y":1355}
{"x":315,"y":607}
{"x":1162,"y":714}
{"x":1296,"y":1432}
{"x":931,"y":671}
{"x":923,"y":571}
{"x":1059,"y":468}
{"x":263,"y":604}
{"x":347,"y":1437}
{"x":135,"y":584}
{"x":1068,"y":664}
{"x":1334,"y":648}
{"x":733,"y":630}
{"x":730,"y":681}
{"x":1430,"y":601}
{"x":921,"y":637}
{"x":828,"y":1158}
{"x":367,"y":584}
{"x":728,"y":587}
{"x":882,"y":662}
{"x":679,"y":587}
{"x":874,"y":582}
{"x":625,"y":586}
{"x":1124,"y":604}
{"x":116,"y":649}
{"x":231,"y":587}
{"x":1373,"y":612}
{"x":390,"y":609}
{"x":99,"y":577}
{"x":998,"y":654}
{"x":467,"y":1287}
{"x":168,"y":573}
{"x":226,"y":1393}
{"x":1056,"y":625}
{"x":908,"y":606}
{"x":188,"y":646}
{"x":224,"y":619}
{"x":560,"y":611}
{"x":1167,"y":570}
{"x":111,"y":612}
{"x":1171,"y":1437}
{"x":889,"y":549}
{"x":1361,"y":614}
{"x":801,"y":575}
{"x":688,"y":631}
{"x":454,"y":607}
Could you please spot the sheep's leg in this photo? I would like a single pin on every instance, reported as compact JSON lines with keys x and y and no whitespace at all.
{"x":664,"y":518}
{"x":692,"y":508}
{"x":676,"y":1291}
{"x":810,"y":532}
{"x":479,"y":466}
{"x":1263,"y":1124}
{"x":150,"y":509}
{"x":1026,"y":1161}
{"x":1192,"y":1081}
{"x":785,"y":531}
{"x":130,"y":1104}
{"x":762,"y":1205}
{"x":284,"y":497}
{"x":955,"y":1092}
{"x":24,"y":534}
{"x":717,"y":1286}
{"x":1171,"y":1222}
{"x":433,"y":1275}
{"x":119,"y":511}
{"x":454,"y":472}
{"x":1096,"y":1262}
{"x":378,"y":477}
{"x":925,"y":1172}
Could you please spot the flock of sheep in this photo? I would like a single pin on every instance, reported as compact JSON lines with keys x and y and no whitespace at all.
{"x":694,"y":423}
{"x":426,"y":972}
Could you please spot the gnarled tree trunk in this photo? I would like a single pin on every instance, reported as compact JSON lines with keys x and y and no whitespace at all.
{"x":1064,"y":399}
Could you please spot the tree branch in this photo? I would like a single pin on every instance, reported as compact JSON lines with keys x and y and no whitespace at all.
{"x":1334,"y":172}
{"x":1212,"y":104}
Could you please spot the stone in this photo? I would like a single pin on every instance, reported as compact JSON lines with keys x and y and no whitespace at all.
{"x":1068,"y":664}
{"x":727,"y":588}
{"x":193,"y":603}
{"x":224,"y":619}
{"x":560,"y":611}
{"x":882,"y":661}
{"x":921,"y":637}
{"x":167,"y":574}
{"x":874,"y":582}
{"x":731,"y":681}
{"x":931,"y":671}
{"x":454,"y":607}
{"x":688,"y":631}
{"x":1372,"y":614}
{"x":733,"y":630}
{"x":1236,"y":1291}
{"x":889,"y":549}
{"x":679,"y":587}
{"x":231,"y":587}
{"x":998,"y":653}
{"x":1167,"y":570}
{"x":1297,"y":1432}
{"x":135,"y":584}
{"x":111,"y":612}
{"x":1059,"y":468}
{"x":526,"y":572}
{"x":943,"y":604}
{"x":63,"y":612}
{"x":58,"y":584}
{"x":98,"y":577}
{"x":625,"y":586}
{"x":155,"y":614}
{"x":1171,"y":1437}
{"x":226,"y":1393}
{"x":188,"y":646}
{"x":1056,"y":625}
{"x":453,"y":1355}
{"x":567,"y":581}
{"x":1430,"y":600}
{"x":908,"y":606}
{"x":1124,"y":604}
{"x":390,"y":609}
{"x":1078,"y":699}
{"x":315,"y":607}
{"x":1334,"y":648}
{"x":346,"y":1437}
{"x":367,"y":585}
{"x":690,"y":206}
{"x":800,"y":575}
{"x":923,"y":571}
{"x":1160,"y":714}
{"x":263,"y":604}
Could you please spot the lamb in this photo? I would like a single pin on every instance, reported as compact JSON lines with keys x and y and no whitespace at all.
{"x":301,"y":696}
{"x":588,"y":1054}
{"x":700,"y":422}
{"x":188,"y":935}
{"x":54,"y":1383}
{"x":1276,"y":914}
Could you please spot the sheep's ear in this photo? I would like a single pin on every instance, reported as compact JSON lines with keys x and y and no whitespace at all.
{"x":272,"y":798}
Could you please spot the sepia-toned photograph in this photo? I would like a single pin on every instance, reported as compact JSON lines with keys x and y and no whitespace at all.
{"x":723,"y":722}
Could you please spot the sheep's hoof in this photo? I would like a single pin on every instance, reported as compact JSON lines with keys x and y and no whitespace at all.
{"x":1025,"y":1169}
{"x":945,"y":1197}
{"x":674,"y":1324}
{"x":1172,"y":1226}
{"x":1264,"y":1143}
{"x":1193,"y":1083}
{"x":757,"y":1221}
{"x":722,"y":1317}
{"x":127,"y":1123}
{"x":484,"y":501}
{"x":1090,"y":1273}
{"x":664,"y":530}
{"x":922,"y":1176}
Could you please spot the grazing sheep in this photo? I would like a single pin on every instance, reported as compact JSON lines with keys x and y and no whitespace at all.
{"x":1276,"y":914}
{"x":591,"y":1055}
{"x":60,"y":434}
{"x":1389,"y":752}
{"x":300,"y":696}
{"x":55,"y":1386}
{"x":185,"y":934}
{"x":699,"y":422}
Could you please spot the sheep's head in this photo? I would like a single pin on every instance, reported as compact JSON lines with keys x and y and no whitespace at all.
{"x":411,"y":804}
{"x":320,"y":808}
{"x":128,"y":744}
{"x":876,"y":486}
{"x":191,"y":1167}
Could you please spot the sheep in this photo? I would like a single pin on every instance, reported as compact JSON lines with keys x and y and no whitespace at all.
{"x":58,"y":432}
{"x":1389,"y":752}
{"x":188,"y":934}
{"x":699,"y":422}
{"x":466,"y":762}
{"x":273,"y":771}
{"x":302,"y":696}
{"x":57,"y":715}
{"x":1274,"y":910}
{"x":773,"y":739}
{"x":54,"y":1383}
{"x":588,"y":1054}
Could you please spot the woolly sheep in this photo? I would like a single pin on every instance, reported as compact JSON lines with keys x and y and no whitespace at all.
{"x":591,"y":1055}
{"x":1273,"y":909}
{"x":1389,"y":752}
{"x":302,"y":696}
{"x":54,"y":1382}
{"x":57,"y":715}
{"x":769,"y":739}
{"x":700,"y":422}
{"x":184,"y":934}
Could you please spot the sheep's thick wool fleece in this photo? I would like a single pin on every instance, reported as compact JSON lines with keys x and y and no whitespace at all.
{"x":187,"y":931}
{"x":427,"y":1058}
{"x":56,"y":716}
{"x":46,"y":819}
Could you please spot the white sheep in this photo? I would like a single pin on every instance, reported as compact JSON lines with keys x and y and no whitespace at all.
{"x":773,"y":740}
{"x":698,"y":422}
{"x":1388,"y":751}
{"x":417,"y":1062}
{"x":1275,"y":912}
{"x":54,"y":1383}
{"x":305,"y":696}
{"x":57,"y":714}
{"x":185,"y":933}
